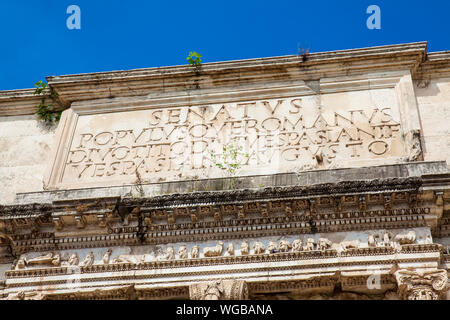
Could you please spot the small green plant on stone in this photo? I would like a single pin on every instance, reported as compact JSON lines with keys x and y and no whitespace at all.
{"x":46,"y":112}
{"x":230,"y":160}
{"x":303,"y":53}
{"x":194,"y":58}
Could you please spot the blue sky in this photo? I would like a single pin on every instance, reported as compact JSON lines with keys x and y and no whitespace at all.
{"x":118,"y":35}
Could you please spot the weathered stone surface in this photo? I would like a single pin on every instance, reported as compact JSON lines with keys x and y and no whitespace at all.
{"x":344,"y":193}
{"x":279,"y":135}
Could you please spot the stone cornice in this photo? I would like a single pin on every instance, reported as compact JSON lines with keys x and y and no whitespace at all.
{"x":142,"y":82}
{"x":278,"y":193}
{"x":410,"y":49}
{"x":161,"y":80}
{"x":219,"y":215}
{"x":19,"y":102}
{"x":437,"y":65}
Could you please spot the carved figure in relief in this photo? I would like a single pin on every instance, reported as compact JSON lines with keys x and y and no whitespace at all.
{"x":284,"y":246}
{"x":309,"y":245}
{"x":245,"y":248}
{"x":73,"y":260}
{"x":129,"y":258}
{"x":407,"y":238}
{"x":170,"y":254}
{"x":56,"y":260}
{"x":194,"y":252}
{"x":372,"y":240}
{"x":350,"y":244}
{"x":259,"y":248}
{"x":230,"y":249}
{"x":272,"y":247}
{"x":386,"y":240}
{"x":297,"y":245}
{"x":324,"y":244}
{"x":213,"y":251}
{"x":49,"y":259}
{"x":21,"y":264}
{"x":88,"y":260}
{"x":106,"y":256}
{"x":183,"y":252}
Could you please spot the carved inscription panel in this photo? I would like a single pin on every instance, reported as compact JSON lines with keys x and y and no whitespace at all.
{"x":272,"y":136}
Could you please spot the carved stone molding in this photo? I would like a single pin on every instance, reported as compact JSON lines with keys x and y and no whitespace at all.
{"x":421,"y":284}
{"x":219,"y":290}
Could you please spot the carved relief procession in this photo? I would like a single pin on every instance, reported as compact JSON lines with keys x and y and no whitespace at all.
{"x":182,"y":252}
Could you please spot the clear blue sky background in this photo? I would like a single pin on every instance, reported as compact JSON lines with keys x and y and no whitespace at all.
{"x":118,"y":34}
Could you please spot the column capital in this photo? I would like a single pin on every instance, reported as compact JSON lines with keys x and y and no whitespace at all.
{"x":219,"y":290}
{"x":421,"y":284}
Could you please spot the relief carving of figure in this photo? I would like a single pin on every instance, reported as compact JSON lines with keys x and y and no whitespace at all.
{"x":213,"y":251}
{"x":49,"y":259}
{"x":407,"y":238}
{"x":386,"y":240}
{"x":230,"y":249}
{"x":194,"y":252}
{"x":183,"y":252}
{"x":297,"y":245}
{"x":284,"y":246}
{"x":309,"y":245}
{"x":350,"y":244}
{"x":272,"y":247}
{"x":21,"y":264}
{"x":259,"y":248}
{"x":56,"y":260}
{"x":129,"y":258}
{"x":88,"y":260}
{"x":324,"y":244}
{"x":372,"y":240}
{"x":106,"y":256}
{"x":170,"y":254}
{"x":73,"y":260}
{"x":245,"y":248}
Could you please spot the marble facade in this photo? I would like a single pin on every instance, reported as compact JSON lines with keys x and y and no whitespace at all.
{"x":343,"y":181}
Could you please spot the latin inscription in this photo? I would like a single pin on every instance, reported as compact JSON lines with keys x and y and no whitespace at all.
{"x":281,"y":134}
